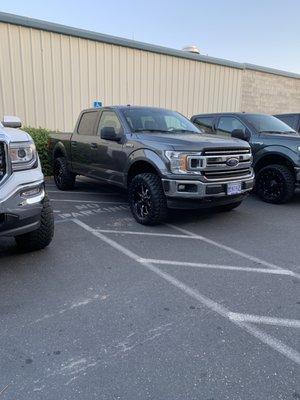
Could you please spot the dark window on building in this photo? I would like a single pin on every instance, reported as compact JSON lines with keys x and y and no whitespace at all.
{"x":228,"y":124}
{"x":205,"y":123}
{"x":290,"y":120}
{"x":87,"y":123}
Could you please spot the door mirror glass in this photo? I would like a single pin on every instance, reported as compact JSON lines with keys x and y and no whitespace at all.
{"x":10,"y":121}
{"x":240,"y":134}
{"x":109,"y":133}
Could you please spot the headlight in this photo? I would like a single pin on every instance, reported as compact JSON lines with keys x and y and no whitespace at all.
{"x":185,"y":163}
{"x":298,"y":148}
{"x":22,"y":155}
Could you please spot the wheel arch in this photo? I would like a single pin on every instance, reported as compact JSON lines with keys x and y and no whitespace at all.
{"x":59,"y":151}
{"x":273,"y":158}
{"x":144,"y":161}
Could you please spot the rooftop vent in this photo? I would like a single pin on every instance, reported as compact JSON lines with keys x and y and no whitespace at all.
{"x":191,"y":49}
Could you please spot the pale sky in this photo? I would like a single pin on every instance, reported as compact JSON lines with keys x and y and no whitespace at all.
{"x":262,"y":32}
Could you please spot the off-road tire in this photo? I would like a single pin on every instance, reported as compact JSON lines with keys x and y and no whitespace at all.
{"x":157,"y":210}
{"x":63,"y":177}
{"x":228,"y":207}
{"x":41,"y":237}
{"x":285,"y":181}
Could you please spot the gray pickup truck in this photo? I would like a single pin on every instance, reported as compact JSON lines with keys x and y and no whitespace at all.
{"x":25,"y":211}
{"x":162,"y":158}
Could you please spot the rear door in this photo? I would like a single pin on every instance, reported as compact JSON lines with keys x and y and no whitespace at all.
{"x":84,"y":143}
{"x":111,"y":157}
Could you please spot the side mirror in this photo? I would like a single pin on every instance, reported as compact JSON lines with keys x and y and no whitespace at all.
{"x":109,"y":133}
{"x":11,"y":122}
{"x":240,"y":134}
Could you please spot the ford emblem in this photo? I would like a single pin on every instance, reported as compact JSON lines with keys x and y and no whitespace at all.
{"x":232,"y":162}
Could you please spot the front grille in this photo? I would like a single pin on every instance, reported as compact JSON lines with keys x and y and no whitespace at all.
{"x":2,"y":161}
{"x":219,"y":168}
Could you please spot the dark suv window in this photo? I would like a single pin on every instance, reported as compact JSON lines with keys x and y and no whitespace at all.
{"x":87,"y":123}
{"x":228,"y":124}
{"x":205,"y":123}
{"x":290,"y":120}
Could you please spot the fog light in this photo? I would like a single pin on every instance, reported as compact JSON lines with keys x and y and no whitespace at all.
{"x":32,"y":192}
{"x":181,"y":188}
{"x":33,"y":196}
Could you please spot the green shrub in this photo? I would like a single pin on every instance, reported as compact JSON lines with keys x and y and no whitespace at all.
{"x":41,"y":139}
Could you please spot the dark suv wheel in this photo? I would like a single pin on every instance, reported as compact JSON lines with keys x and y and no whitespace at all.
{"x":147,"y":200}
{"x":63,"y":178}
{"x":41,"y":237}
{"x":275,"y":184}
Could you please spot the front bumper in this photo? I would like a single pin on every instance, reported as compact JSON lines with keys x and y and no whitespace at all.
{"x":200,"y":194}
{"x":21,"y":202}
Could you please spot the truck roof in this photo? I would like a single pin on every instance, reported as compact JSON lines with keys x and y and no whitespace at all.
{"x":226,"y":113}
{"x":124,"y":107}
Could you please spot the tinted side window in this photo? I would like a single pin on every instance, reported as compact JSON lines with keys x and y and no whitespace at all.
{"x":205,"y":123}
{"x":227,"y":124}
{"x":290,"y":120}
{"x":109,"y":119}
{"x":87,"y":123}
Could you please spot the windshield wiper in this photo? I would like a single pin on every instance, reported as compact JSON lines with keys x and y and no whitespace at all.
{"x":149,"y":130}
{"x":271,"y":132}
{"x":183,"y":130}
{"x":280,"y":132}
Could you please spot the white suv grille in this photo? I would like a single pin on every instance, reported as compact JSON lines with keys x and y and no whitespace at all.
{"x":3,"y":167}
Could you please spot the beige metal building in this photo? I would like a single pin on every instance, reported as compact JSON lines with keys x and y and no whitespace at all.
{"x":49,"y":72}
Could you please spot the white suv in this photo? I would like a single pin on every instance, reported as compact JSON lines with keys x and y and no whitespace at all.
{"x":25,"y":211}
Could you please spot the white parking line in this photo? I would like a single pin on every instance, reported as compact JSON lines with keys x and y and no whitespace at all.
{"x":216,"y":266}
{"x":94,"y":193}
{"x":275,"y":344}
{"x":230,"y":249}
{"x":260,"y":319}
{"x":88,"y":201}
{"x":139,"y":233}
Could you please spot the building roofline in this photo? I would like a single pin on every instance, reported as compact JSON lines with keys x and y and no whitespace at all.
{"x":100,"y":37}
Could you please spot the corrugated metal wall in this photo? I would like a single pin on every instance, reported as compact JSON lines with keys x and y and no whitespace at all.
{"x":47,"y":78}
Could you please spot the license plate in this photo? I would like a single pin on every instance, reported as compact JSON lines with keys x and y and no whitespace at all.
{"x":234,"y":188}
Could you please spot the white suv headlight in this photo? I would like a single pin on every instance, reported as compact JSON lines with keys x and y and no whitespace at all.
{"x":23,"y":155}
{"x":185,"y":163}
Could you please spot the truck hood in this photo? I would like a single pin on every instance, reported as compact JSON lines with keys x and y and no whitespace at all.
{"x":13,"y":135}
{"x":291,"y":138}
{"x":195,"y":142}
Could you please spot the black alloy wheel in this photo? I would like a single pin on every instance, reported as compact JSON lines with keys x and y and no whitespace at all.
{"x":275,"y":184}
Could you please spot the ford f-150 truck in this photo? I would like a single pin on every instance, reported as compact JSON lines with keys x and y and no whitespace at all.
{"x":275,"y":146}
{"x":25,"y":211}
{"x":158,"y":155}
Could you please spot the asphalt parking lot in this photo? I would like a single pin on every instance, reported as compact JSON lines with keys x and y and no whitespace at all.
{"x":204,"y":307}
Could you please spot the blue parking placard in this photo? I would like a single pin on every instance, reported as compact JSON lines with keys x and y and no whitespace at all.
{"x":97,"y":104}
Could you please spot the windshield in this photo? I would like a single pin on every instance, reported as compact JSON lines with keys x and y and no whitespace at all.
{"x":158,"y":120}
{"x":268,"y":124}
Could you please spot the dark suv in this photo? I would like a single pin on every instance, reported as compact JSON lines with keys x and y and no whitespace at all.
{"x":275,"y":147}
